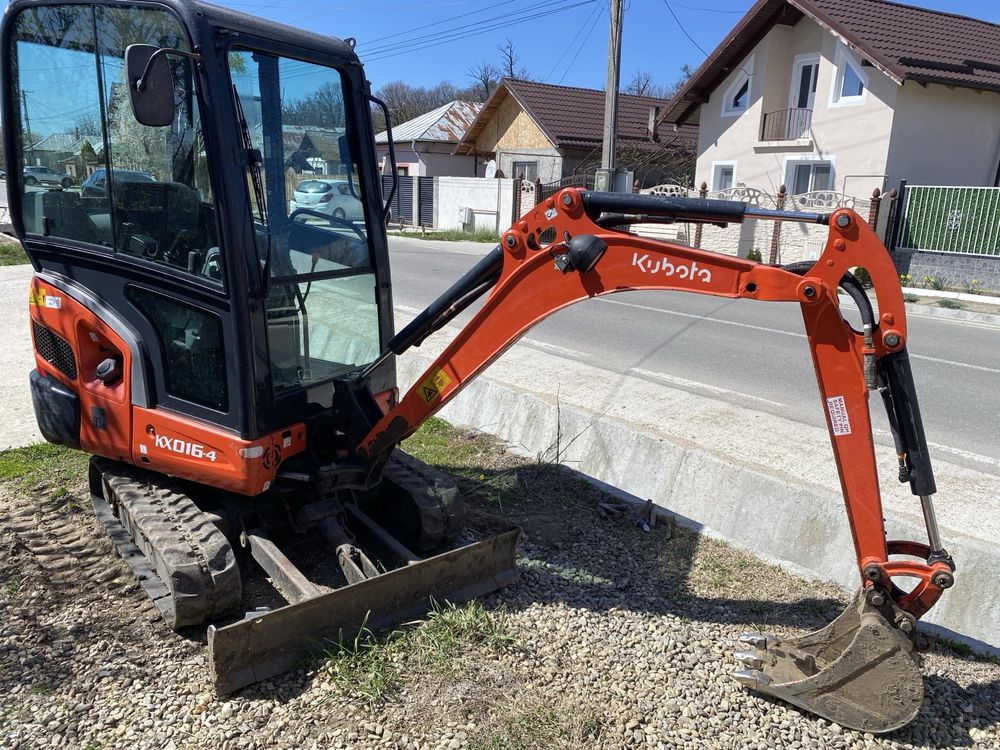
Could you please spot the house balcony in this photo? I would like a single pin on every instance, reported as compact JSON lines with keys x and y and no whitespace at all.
{"x":786,"y":125}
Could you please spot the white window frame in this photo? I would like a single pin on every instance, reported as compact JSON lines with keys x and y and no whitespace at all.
{"x":716,"y":165}
{"x":792,"y":161}
{"x":743,"y":74}
{"x":842,"y":60}
{"x":799,"y":62}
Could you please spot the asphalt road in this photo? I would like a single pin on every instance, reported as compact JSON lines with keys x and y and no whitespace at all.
{"x":753,"y":354}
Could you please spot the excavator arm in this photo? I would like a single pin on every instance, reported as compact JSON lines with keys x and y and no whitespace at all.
{"x":575,"y":246}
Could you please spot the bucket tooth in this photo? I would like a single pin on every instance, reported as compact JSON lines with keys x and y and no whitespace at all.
{"x":859,"y":671}
{"x":752,"y":678}
{"x":757,"y":640}
{"x":748,"y":659}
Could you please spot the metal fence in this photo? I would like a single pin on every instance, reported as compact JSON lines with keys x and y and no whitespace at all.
{"x":950,"y":220}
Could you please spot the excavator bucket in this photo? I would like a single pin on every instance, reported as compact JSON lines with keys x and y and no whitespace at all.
{"x":859,"y":671}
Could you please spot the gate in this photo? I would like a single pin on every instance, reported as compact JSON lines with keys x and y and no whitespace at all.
{"x":426,"y":198}
{"x":402,"y":201}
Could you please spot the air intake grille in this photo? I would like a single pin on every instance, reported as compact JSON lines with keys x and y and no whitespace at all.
{"x":54,"y":349}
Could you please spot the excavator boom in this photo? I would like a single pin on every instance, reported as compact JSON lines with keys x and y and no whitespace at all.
{"x":574,"y":247}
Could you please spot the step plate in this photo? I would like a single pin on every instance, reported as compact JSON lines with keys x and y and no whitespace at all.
{"x":263,"y":646}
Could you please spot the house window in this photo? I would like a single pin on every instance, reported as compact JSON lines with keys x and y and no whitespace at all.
{"x":737,"y":96}
{"x":525,"y":170}
{"x":723,"y":175}
{"x":850,"y":83}
{"x":805,"y":72}
{"x":809,"y":176}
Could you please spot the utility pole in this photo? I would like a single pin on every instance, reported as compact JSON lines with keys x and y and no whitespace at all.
{"x":27,"y":125}
{"x":607,"y":172}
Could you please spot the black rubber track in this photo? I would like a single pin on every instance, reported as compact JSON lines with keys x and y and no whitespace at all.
{"x":190,"y":570}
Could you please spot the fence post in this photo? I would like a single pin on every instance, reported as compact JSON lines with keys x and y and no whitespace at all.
{"x":873,"y":208}
{"x":779,"y":202}
{"x":893,"y":232}
{"x":516,"y":203}
{"x":702,"y":193}
{"x":538,"y":190}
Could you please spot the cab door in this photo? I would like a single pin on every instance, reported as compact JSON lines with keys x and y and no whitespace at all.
{"x":136,"y":254}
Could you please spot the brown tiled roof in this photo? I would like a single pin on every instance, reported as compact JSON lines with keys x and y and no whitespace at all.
{"x":573,"y":117}
{"x":906,"y":42}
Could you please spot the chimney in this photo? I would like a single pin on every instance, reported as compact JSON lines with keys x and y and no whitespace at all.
{"x":654,"y":116}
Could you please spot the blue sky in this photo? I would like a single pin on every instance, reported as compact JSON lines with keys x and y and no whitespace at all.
{"x":568,"y":46}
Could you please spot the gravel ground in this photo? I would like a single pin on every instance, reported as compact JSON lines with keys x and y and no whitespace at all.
{"x":613,"y":638}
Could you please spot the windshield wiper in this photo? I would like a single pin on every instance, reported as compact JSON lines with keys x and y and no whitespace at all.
{"x":253,"y":160}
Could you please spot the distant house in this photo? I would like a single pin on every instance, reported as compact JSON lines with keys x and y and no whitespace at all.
{"x":67,"y":152}
{"x":424,"y":146}
{"x":536,"y":130}
{"x":846,"y":96}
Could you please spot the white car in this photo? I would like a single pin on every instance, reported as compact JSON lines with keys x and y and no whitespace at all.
{"x":331,"y":197}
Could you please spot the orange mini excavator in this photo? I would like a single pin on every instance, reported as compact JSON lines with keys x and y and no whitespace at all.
{"x":217,"y":333}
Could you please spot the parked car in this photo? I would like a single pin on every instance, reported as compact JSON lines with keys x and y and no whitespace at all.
{"x":96,"y":186}
{"x":46,"y":176}
{"x":331,"y":197}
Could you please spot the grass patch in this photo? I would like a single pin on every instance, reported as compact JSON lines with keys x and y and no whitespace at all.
{"x":964,"y":650}
{"x":12,"y":587}
{"x":452,"y":235}
{"x":539,"y":729}
{"x":950,"y":304}
{"x":450,"y":629}
{"x":370,"y":666}
{"x":42,"y":462}
{"x":11,"y":252}
{"x":911,"y":298}
{"x":719,"y":565}
{"x":364,"y":666}
{"x":439,"y":444}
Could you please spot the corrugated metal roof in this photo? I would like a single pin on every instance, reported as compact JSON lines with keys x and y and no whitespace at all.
{"x":446,"y":124}
{"x":906,"y":42}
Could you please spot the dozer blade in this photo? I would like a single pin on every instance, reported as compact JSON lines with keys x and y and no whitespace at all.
{"x":859,"y":671}
{"x":263,"y":646}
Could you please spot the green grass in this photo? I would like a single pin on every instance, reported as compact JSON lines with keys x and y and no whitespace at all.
{"x":911,"y":298}
{"x":452,"y":235}
{"x":534,"y":730}
{"x":439,"y":444}
{"x":11,"y":252}
{"x":43,"y":462}
{"x":12,"y":587}
{"x":370,"y":665}
{"x":950,"y":304}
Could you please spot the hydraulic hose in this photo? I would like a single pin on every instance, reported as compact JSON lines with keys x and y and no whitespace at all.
{"x":849,"y":283}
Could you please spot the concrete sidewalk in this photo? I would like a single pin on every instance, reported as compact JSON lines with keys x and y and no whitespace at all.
{"x":767,"y":484}
{"x":17,"y":427}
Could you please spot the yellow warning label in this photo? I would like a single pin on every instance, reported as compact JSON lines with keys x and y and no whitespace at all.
{"x":36,"y":297}
{"x":432,"y":386}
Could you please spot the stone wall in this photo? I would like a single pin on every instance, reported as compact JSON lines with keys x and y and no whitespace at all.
{"x":953,"y":270}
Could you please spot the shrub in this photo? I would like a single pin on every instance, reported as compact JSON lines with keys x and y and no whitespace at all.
{"x":755,"y":256}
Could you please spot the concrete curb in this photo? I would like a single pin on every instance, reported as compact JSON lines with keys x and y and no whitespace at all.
{"x":764,"y":483}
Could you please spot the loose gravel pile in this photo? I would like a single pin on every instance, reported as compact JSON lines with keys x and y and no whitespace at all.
{"x":613,"y":638}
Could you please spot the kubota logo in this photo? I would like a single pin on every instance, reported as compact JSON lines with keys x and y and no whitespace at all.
{"x":663,"y":265}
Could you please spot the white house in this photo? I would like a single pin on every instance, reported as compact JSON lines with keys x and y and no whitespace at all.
{"x":424,"y":145}
{"x":846,"y":96}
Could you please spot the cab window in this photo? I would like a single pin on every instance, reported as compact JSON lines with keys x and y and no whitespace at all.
{"x":91,"y":172}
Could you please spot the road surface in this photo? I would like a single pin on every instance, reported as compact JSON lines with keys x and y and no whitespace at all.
{"x":750,"y":353}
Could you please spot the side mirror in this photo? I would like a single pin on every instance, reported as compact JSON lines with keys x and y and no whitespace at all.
{"x":150,"y":85}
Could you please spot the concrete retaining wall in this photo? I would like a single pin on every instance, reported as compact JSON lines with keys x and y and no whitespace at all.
{"x":764,"y":483}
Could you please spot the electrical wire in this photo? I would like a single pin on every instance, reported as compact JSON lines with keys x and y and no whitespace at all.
{"x":367,"y":42}
{"x":582,"y":45}
{"x":701,"y":49}
{"x":588,"y":19}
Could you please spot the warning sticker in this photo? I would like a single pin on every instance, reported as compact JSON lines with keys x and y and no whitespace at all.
{"x":839,"y":421}
{"x":432,"y":386}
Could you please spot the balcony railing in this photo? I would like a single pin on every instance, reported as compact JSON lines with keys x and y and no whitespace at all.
{"x":786,"y":125}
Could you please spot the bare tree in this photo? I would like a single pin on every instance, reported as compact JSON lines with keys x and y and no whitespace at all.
{"x":642,"y":84}
{"x":406,"y":102}
{"x":485,"y":78}
{"x":508,"y":62}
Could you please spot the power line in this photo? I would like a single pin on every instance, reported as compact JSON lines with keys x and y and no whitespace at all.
{"x":502,"y":20}
{"x":435,"y":23}
{"x":494,"y":27}
{"x":583,"y":43}
{"x":597,"y":10}
{"x":691,"y":39}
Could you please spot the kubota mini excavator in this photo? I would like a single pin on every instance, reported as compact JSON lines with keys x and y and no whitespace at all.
{"x":219,"y":336}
